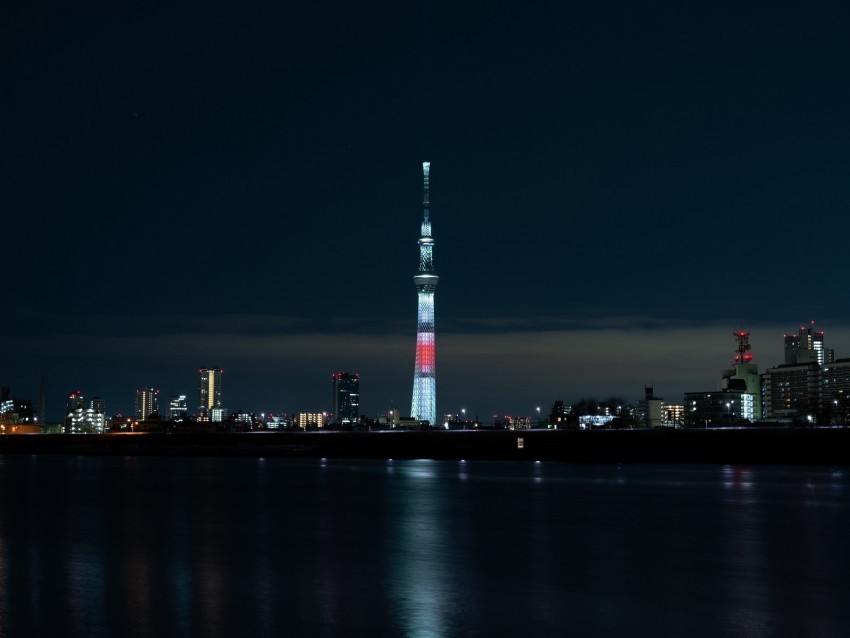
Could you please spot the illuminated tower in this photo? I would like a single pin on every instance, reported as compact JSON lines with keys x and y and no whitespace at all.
{"x":424,"y":404}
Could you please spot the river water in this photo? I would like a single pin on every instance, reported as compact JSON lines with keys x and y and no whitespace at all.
{"x":157,"y":546}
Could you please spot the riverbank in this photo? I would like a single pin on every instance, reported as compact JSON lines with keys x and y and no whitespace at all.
{"x":799,"y":446}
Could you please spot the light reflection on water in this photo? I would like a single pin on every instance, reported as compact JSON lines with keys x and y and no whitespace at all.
{"x":141,"y":547}
{"x":419,"y":584}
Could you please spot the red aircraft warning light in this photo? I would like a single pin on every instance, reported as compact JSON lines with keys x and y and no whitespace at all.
{"x":743,"y":352}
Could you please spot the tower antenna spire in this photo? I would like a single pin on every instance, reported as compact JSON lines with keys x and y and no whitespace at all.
{"x":426,"y":170}
{"x":424,"y":401}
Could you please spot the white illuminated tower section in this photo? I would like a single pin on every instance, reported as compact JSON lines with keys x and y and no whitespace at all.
{"x":424,"y":404}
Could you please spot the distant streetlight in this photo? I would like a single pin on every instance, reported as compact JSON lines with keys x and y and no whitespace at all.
{"x":538,"y":416}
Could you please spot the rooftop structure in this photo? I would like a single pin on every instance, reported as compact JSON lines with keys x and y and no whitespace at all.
{"x":807,"y":346}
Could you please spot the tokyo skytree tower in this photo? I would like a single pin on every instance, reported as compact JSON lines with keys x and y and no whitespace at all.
{"x":424,"y":404}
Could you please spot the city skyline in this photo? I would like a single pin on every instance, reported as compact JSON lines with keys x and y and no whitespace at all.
{"x":619,"y":187}
{"x":668,"y":345}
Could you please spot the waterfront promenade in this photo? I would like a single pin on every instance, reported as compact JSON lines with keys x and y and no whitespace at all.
{"x":784,"y":446}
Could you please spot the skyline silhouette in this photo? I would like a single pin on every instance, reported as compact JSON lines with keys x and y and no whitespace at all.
{"x":616,"y":187}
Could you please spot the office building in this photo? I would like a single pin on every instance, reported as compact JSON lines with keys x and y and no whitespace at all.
{"x":209,"y":394}
{"x":177,"y":408}
{"x":147,"y":403}
{"x":807,"y":346}
{"x":810,"y":386}
{"x":346,"y":398}
{"x":791,"y":392}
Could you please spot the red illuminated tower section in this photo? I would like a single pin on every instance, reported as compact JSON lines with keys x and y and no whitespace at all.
{"x":424,"y":403}
{"x":743,"y":353}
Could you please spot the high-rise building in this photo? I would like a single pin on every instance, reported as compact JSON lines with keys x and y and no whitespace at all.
{"x":807,"y":346}
{"x":424,"y":403}
{"x":147,"y":402}
{"x":346,"y":397}
{"x":177,"y":407}
{"x":791,"y":392}
{"x":209,"y":395}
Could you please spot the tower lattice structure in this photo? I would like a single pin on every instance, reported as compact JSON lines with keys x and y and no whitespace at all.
{"x":424,"y":403}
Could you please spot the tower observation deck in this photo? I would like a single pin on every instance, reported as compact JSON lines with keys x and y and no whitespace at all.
{"x":424,"y":403}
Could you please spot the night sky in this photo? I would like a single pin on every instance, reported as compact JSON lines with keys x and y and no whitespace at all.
{"x":615,"y":188}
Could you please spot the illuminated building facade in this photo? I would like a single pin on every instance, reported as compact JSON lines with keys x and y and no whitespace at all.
{"x":674,"y":415}
{"x":424,"y":402}
{"x":16,"y":415}
{"x":177,"y":407}
{"x":147,"y":402}
{"x":83,"y":418}
{"x":744,"y":375}
{"x":277,"y":422}
{"x":74,"y":407}
{"x":516,"y":422}
{"x":718,"y":409}
{"x":737,"y":400}
{"x":835,"y":391}
{"x":807,"y":346}
{"x":798,"y":391}
{"x":98,"y":404}
{"x":792,"y":392}
{"x":310,"y":420}
{"x":346,"y":397}
{"x":209,"y":392}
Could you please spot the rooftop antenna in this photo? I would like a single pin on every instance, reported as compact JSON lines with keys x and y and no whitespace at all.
{"x":743,"y":351}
